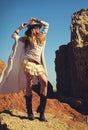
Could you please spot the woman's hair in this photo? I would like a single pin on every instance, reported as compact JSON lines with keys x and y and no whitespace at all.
{"x":32,"y":37}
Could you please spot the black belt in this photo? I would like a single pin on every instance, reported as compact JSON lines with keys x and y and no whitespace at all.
{"x":31,"y":60}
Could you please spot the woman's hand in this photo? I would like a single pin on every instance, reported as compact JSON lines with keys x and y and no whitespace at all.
{"x":24,"y":24}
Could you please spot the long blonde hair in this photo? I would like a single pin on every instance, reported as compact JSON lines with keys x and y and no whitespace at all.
{"x":33,"y":37}
{"x":36,"y":37}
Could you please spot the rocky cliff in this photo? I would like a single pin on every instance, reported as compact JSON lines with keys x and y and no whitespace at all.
{"x":71,"y":63}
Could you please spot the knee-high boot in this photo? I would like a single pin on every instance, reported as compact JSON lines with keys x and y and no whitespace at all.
{"x":29,"y":107}
{"x":41,"y":107}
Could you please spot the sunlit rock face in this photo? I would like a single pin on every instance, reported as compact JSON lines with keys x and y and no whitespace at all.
{"x":79,"y":28}
{"x":2,"y":65}
{"x":71,"y":62}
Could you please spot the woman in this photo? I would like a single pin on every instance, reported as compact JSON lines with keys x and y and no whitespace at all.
{"x":33,"y":63}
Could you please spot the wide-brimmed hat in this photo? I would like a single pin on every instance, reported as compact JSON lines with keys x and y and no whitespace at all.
{"x":33,"y":25}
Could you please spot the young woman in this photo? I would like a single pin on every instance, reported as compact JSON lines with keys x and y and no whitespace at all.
{"x":33,"y":63}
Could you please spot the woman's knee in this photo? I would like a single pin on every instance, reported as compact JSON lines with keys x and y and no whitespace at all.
{"x":28,"y":91}
{"x":44,"y":83}
{"x":43,"y":80}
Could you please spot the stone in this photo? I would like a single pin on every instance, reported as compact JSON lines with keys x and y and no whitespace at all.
{"x":79,"y":28}
{"x":71,"y":62}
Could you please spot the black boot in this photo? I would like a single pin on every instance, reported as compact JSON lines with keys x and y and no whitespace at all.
{"x":29,"y":107}
{"x":41,"y":107}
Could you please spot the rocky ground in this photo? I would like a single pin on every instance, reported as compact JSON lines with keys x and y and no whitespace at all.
{"x":60,"y":116}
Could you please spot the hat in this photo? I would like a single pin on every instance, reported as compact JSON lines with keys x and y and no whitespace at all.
{"x":34,"y":25}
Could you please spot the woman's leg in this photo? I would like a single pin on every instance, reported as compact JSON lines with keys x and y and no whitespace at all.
{"x":29,"y":88}
{"x":43,"y":84}
{"x":43,"y":96}
{"x":28,"y":97}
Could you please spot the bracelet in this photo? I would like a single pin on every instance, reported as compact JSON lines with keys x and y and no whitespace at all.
{"x":16,"y":32}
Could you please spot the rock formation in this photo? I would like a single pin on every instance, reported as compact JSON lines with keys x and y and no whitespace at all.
{"x":79,"y":28}
{"x":2,"y":65}
{"x":71,"y":63}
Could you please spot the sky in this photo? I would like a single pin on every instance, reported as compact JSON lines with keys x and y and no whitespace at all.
{"x":56,"y":12}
